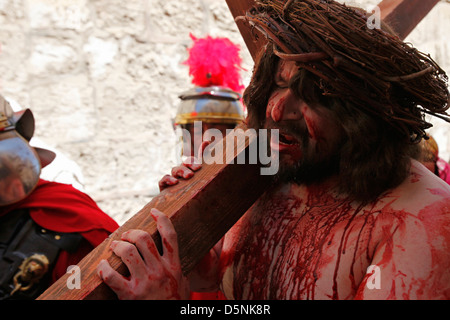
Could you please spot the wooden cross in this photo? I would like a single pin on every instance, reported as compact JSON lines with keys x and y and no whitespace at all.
{"x":203,"y":208}
{"x":402,"y":15}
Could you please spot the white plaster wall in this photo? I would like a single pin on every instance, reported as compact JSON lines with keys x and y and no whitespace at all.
{"x":103,"y":78}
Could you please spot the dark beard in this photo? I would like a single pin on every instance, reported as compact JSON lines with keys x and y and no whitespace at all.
{"x":311,"y":168}
{"x":308,"y":172}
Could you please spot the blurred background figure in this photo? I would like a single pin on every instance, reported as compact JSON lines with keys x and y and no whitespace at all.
{"x":215,"y":101}
{"x":45,"y":227}
{"x":430,"y":159}
{"x":61,"y":168}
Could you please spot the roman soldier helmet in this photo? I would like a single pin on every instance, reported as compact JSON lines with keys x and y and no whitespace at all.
{"x":215,"y":104}
{"x":214,"y":64}
{"x":20,"y":164}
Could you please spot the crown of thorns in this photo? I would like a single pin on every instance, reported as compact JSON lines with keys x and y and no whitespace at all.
{"x":372,"y":68}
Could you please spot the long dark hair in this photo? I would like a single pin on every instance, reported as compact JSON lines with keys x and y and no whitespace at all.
{"x":375,"y":156}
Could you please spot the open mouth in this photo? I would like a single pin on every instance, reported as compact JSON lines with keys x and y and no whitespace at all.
{"x":287,"y":139}
{"x":286,"y":143}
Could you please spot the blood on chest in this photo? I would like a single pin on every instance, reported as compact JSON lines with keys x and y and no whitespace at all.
{"x":289,"y":248}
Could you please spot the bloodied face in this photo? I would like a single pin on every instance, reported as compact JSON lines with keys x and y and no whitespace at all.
{"x":309,"y":135}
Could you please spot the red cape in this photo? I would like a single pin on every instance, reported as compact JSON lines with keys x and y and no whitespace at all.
{"x":62,"y":208}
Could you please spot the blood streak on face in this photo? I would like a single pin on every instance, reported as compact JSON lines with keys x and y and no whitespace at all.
{"x":305,"y":131}
{"x":277,"y":110}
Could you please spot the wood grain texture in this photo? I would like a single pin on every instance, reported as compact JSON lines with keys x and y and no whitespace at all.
{"x":202,"y":210}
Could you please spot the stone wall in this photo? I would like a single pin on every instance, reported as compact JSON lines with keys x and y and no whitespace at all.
{"x":103,"y":78}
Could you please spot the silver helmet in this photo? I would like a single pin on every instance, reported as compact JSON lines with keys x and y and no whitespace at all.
{"x":215,"y":104}
{"x":20,"y":164}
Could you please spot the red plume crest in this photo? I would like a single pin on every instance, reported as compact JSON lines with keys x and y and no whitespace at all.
{"x":215,"y":62}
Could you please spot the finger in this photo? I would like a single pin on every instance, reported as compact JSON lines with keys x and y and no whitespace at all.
{"x":202,"y":148}
{"x":192,"y":163}
{"x":168,"y":236}
{"x":145,"y":244}
{"x":130,"y":256}
{"x":112,"y":278}
{"x":182,"y":172}
{"x":166,"y":182}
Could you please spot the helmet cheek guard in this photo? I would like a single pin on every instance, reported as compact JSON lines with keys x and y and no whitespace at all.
{"x":19,"y":168}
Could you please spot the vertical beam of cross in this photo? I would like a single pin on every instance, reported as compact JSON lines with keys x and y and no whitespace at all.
{"x":402,"y":15}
